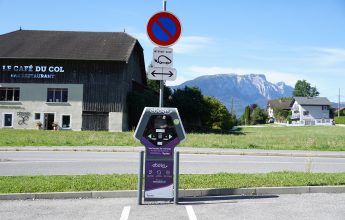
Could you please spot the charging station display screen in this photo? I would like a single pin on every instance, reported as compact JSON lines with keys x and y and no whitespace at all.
{"x":160,"y":130}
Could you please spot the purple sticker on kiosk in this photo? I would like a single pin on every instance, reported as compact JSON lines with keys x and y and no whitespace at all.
{"x":157,"y":151}
{"x":159,"y":179}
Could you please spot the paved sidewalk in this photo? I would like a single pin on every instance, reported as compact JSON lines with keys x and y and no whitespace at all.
{"x":185,"y":150}
{"x":183,"y":194}
{"x":282,"y":207}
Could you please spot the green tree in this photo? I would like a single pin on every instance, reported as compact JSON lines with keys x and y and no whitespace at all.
{"x":303,"y":89}
{"x":245,"y":119}
{"x":201,"y":113}
{"x":258,"y":116}
{"x":282,"y":115}
{"x":155,"y":86}
{"x":219,"y":117}
{"x":190,"y":104}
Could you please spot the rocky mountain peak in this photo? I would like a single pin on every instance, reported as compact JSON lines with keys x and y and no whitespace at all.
{"x":241,"y":90}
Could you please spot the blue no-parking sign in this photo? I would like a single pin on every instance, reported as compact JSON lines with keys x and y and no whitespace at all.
{"x":164,"y":28}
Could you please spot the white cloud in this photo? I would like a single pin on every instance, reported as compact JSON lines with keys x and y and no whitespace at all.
{"x":179,"y":80}
{"x":271,"y":75}
{"x":191,"y":44}
{"x":143,"y":39}
{"x":330,"y":56}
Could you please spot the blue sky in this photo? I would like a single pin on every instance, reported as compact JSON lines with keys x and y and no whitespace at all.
{"x":285,"y":40}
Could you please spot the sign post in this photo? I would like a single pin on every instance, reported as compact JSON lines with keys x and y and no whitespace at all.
{"x":160,"y":129}
{"x":163,"y":29}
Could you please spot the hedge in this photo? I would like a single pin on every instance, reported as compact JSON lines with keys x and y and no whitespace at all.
{"x":339,"y":120}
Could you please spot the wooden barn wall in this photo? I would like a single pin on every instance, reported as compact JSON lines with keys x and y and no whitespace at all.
{"x":95,"y":121}
{"x":106,"y":83}
{"x":135,"y":72}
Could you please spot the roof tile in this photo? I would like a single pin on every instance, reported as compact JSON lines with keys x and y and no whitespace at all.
{"x":29,"y":44}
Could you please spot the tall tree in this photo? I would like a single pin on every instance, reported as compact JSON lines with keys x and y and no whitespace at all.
{"x":154,"y":85}
{"x":218,"y":116}
{"x":258,"y":116}
{"x":201,"y":113}
{"x":304,"y":89}
{"x":190,"y":104}
{"x":246,"y":116}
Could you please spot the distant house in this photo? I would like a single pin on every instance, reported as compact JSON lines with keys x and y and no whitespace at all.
{"x":275,"y":104}
{"x":341,"y":109}
{"x":311,"y":111}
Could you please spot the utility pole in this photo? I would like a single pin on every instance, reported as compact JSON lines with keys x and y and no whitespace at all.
{"x":232,"y":106}
{"x":339,"y":104}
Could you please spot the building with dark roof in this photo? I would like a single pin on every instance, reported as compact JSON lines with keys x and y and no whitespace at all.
{"x":277,"y":104}
{"x":311,"y":111}
{"x":69,"y":80}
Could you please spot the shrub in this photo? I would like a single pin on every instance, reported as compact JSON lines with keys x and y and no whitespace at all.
{"x":340,"y":120}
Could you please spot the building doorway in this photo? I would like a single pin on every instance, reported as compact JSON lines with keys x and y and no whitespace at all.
{"x":48,"y":121}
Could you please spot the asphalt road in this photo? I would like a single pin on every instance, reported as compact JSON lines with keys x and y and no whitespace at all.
{"x":15,"y":163}
{"x":304,"y":206}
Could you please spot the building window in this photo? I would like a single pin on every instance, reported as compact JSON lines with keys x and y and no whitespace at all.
{"x":66,"y":122}
{"x":305,"y":113}
{"x":37,"y":116}
{"x":7,"y":120}
{"x":57,"y":95}
{"x":325,"y":107}
{"x":9,"y":94}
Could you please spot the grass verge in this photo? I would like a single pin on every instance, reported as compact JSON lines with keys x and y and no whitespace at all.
{"x":322,"y":138}
{"x":32,"y":184}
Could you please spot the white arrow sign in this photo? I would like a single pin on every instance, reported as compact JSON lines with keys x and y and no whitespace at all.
{"x":158,"y":73}
{"x":162,"y":57}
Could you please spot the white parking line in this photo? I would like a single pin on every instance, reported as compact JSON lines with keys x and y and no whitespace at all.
{"x":125,"y":213}
{"x":191,"y":213}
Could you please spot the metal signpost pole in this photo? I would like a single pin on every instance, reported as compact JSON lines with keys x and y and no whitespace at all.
{"x":176,"y":177}
{"x":140,"y":178}
{"x":161,"y":82}
{"x":161,"y":93}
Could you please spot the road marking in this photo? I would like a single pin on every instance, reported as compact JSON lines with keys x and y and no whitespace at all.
{"x":260,"y":162}
{"x":125,"y":213}
{"x":191,"y":213}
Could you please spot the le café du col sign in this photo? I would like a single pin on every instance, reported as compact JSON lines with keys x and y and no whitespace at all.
{"x":31,"y":68}
{"x":31,"y":71}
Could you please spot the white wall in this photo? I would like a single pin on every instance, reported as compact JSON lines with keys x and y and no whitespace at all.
{"x":117,"y":121}
{"x":315,"y":112}
{"x":33,"y":100}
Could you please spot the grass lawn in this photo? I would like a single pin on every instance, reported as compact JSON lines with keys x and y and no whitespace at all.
{"x":31,"y":184}
{"x":276,"y":138}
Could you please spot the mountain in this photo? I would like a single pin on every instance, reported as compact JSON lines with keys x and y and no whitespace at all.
{"x":335,"y":105}
{"x":239,"y":90}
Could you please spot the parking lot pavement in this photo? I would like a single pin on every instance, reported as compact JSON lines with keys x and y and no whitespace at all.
{"x":304,"y":206}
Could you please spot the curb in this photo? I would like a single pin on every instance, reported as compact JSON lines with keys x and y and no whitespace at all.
{"x":69,"y":195}
{"x":264,"y":153}
{"x":185,"y":194}
{"x":185,"y":150}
